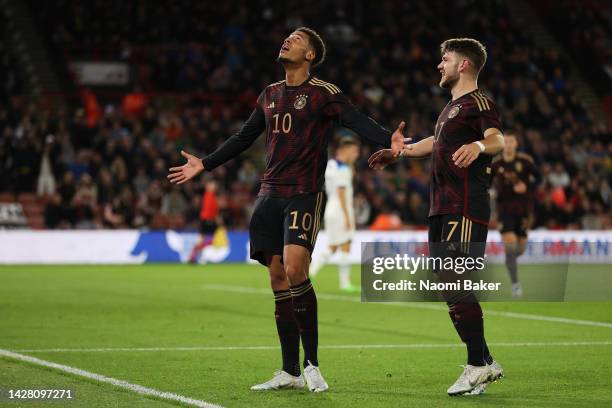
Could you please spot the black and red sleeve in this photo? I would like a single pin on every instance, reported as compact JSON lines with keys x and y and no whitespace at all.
{"x":341,"y":109}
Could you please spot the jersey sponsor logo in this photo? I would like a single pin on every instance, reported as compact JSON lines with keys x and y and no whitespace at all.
{"x":300,"y":101}
{"x":454,"y":112}
{"x":271,"y":106}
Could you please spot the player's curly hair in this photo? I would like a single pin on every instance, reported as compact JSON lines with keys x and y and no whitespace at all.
{"x":473,"y":49}
{"x":316,"y":42}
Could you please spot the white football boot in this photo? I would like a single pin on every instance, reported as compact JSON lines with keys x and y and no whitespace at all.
{"x":497,"y":372}
{"x":471,"y":377}
{"x":517,"y":290}
{"x":282,"y":380}
{"x":314,"y":379}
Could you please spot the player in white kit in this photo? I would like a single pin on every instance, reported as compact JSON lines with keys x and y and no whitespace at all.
{"x":339,"y":212}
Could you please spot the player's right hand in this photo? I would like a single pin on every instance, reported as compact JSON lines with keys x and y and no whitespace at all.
{"x":381,"y":159}
{"x":187,"y":171}
{"x":520,"y":188}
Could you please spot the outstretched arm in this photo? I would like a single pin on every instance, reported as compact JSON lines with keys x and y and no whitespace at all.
{"x":350,"y":117}
{"x":382,"y":158}
{"x":236,"y":144}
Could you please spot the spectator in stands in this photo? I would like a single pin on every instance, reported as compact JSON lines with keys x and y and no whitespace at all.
{"x":134,"y":151}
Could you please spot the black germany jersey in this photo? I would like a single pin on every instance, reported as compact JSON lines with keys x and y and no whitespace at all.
{"x":506,"y":175}
{"x":297,"y":121}
{"x":457,"y":190}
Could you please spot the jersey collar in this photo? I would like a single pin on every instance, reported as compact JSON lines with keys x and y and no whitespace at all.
{"x":464,"y":95}
{"x":300,"y":85}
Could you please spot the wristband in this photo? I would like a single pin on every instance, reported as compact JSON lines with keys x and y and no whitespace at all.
{"x":480,"y":146}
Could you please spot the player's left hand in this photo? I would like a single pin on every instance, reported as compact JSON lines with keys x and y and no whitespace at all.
{"x":466,"y":154}
{"x":397,"y":140}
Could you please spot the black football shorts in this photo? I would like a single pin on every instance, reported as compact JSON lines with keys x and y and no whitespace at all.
{"x":519,"y":224}
{"x":455,"y":235}
{"x":278,"y":221}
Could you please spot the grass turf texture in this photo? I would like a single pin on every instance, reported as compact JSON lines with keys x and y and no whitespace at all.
{"x":48,"y":307}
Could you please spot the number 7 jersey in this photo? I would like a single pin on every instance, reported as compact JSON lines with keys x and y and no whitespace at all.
{"x":462,"y":191}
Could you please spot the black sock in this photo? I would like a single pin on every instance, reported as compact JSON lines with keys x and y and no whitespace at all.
{"x":511,"y":257}
{"x":288,"y":332}
{"x":305,"y":312}
{"x":467,"y":319}
{"x":488,"y":358}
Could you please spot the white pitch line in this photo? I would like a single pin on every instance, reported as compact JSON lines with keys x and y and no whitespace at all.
{"x":332,"y":347}
{"x":109,"y":380}
{"x":413,"y":305}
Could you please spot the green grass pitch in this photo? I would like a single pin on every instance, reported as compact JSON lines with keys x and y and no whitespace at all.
{"x":372,"y":355}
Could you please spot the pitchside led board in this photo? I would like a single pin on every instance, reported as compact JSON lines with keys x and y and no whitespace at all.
{"x":395,"y":266}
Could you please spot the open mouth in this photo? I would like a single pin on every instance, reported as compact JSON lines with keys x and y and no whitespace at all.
{"x":285,"y":48}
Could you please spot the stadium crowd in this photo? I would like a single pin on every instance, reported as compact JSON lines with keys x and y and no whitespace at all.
{"x":106,"y":166}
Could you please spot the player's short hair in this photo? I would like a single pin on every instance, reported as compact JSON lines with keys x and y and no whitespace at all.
{"x":317,"y":44}
{"x":347,"y":141}
{"x":473,"y":49}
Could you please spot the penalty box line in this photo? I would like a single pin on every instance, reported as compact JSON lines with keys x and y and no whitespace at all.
{"x":331,"y":347}
{"x":414,"y":305}
{"x":139,"y":389}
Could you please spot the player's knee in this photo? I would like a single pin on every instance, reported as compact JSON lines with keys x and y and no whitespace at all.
{"x":278,"y":281}
{"x":296,"y":272}
{"x":278,"y":278}
{"x":522,"y":246}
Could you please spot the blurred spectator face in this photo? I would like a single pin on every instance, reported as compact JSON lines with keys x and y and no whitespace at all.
{"x":510,"y":144}
{"x":415,"y":200}
{"x":68,"y":178}
{"x":296,"y":49}
{"x":211,"y":186}
{"x":85,"y":180}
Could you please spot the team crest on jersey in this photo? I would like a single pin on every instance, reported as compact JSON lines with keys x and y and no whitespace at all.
{"x":518,"y":166}
{"x":300,"y":102}
{"x":454,"y":112}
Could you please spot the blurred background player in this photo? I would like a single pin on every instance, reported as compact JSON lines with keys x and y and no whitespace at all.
{"x":515,"y":178}
{"x":209,"y":213}
{"x":339,"y":212}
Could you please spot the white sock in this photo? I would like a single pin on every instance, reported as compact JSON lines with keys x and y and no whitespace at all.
{"x":319,"y":261}
{"x":344,"y":269}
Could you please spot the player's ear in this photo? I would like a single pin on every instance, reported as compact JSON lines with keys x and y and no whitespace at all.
{"x":310,"y":55}
{"x":465,"y":64}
